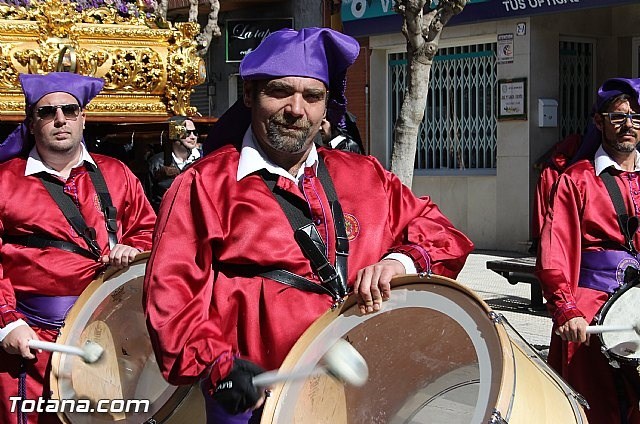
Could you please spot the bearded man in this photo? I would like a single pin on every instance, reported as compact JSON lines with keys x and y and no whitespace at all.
{"x":251,"y":245}
{"x":588,"y":244}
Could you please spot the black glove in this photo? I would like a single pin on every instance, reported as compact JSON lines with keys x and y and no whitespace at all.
{"x":236,"y":393}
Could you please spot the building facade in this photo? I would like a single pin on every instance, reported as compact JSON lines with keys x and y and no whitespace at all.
{"x":511,"y":78}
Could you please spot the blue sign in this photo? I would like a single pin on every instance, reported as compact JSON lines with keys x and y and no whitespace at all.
{"x":366,"y":9}
{"x":370,"y":17}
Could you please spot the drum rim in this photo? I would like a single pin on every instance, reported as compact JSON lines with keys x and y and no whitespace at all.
{"x":180,"y":393}
{"x":602,"y":314}
{"x":505,"y":398}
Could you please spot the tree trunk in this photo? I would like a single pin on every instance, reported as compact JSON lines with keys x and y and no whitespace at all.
{"x":423,"y":35}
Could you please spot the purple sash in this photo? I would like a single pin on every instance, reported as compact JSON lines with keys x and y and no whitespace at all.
{"x":604,"y":270}
{"x":45,"y":311}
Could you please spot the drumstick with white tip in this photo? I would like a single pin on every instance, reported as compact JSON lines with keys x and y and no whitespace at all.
{"x":90,"y":352}
{"x":341,"y":361}
{"x":596,"y":329}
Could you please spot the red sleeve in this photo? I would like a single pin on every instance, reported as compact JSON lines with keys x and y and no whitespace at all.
{"x":8,"y":313}
{"x":186,"y":331}
{"x":558,"y":264}
{"x":423,"y":232}
{"x":547,"y":179}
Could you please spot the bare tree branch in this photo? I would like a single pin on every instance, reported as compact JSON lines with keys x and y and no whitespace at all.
{"x":422,"y":32}
{"x":211,"y":29}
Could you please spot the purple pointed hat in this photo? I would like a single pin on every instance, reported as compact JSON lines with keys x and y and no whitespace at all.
{"x":320,"y":53}
{"x":35,"y":87}
{"x":608,"y":90}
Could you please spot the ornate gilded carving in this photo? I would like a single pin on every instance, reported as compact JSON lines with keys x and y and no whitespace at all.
{"x":147,"y":70}
{"x":8,"y":72}
{"x":140,"y":69}
{"x":185,"y":68}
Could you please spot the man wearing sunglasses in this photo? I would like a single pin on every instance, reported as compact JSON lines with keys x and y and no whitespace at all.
{"x":65,"y":215}
{"x":164,"y":168}
{"x":588,"y":247}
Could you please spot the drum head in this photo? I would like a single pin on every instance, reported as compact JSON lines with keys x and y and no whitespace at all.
{"x":109,"y":312}
{"x":622,"y":310}
{"x":434,"y":355}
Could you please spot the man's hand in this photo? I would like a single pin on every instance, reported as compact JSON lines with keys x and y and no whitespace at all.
{"x":236,"y":393}
{"x":372,"y":285}
{"x":15,"y":342}
{"x":120,"y":256}
{"x":574,"y":330}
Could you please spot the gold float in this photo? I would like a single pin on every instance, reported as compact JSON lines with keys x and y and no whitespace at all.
{"x":149,"y":66}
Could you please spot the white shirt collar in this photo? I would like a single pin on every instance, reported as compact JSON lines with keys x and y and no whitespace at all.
{"x":253,"y":158}
{"x":193,"y":156}
{"x":602,"y":161}
{"x":35,"y":163}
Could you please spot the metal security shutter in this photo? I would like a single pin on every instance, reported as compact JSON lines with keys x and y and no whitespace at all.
{"x":576,"y":86}
{"x":200,"y":99}
{"x":459,"y":130}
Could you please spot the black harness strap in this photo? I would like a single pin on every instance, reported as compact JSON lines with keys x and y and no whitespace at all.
{"x":70,"y":211}
{"x":294,"y":280}
{"x":109,"y":211}
{"x":334,"y":282}
{"x":628,"y":224}
{"x":42,"y":242}
{"x":72,"y":214}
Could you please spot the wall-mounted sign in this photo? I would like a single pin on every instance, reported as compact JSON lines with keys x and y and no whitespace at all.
{"x":513,"y":98}
{"x":244,"y":35}
{"x":505,"y":48}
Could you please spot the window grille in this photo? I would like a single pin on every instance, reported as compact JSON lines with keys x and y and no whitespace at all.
{"x":459,"y":129}
{"x":576,"y":86}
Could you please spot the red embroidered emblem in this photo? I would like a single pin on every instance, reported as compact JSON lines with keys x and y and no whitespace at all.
{"x":352,"y":226}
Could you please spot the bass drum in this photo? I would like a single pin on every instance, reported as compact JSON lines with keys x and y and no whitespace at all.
{"x":109,"y":312}
{"x":436,"y":354}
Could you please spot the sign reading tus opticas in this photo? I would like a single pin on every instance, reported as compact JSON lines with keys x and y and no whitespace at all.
{"x":244,"y":35}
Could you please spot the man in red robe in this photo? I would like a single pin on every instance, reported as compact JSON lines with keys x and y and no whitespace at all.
{"x":216,"y":301}
{"x":583,"y":255}
{"x":44,"y":262}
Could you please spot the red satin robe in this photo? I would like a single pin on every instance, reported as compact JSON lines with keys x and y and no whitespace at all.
{"x":26,"y":207}
{"x":204,"y":299}
{"x":582,"y":218}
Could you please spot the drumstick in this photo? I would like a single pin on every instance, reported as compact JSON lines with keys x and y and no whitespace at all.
{"x":596,"y":329}
{"x":89,"y":353}
{"x":341,"y":361}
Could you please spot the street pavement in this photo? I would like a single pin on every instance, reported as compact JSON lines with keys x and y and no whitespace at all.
{"x":512,"y":301}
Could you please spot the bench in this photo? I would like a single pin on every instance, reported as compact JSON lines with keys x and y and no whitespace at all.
{"x":520,"y":270}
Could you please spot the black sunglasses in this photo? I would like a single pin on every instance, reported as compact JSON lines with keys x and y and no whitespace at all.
{"x":47,"y":113}
{"x":187,"y":133}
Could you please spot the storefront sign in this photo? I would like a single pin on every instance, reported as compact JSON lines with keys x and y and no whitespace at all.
{"x":365,"y":9}
{"x":242,"y":36}
{"x":370,"y":17}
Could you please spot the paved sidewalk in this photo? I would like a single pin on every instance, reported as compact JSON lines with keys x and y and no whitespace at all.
{"x":510,"y":300}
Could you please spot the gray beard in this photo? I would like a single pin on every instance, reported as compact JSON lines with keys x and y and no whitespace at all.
{"x":289,"y":142}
